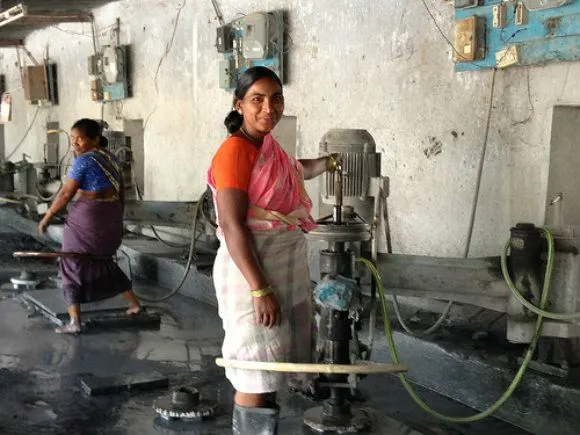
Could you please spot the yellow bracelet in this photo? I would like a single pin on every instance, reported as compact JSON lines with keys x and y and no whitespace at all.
{"x":261,"y":292}
{"x":331,"y":163}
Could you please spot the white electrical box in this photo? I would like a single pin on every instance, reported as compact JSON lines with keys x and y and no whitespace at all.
{"x":520,"y":14}
{"x":499,"y":13}
{"x":257,"y":34}
{"x":508,"y":56}
{"x":534,"y":5}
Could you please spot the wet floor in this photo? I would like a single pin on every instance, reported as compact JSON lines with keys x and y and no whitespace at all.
{"x":40,"y":373}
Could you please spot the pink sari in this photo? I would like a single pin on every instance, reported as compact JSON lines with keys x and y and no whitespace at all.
{"x":279,"y":212}
{"x":277,"y":195}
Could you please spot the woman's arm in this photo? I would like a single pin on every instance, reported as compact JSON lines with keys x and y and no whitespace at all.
{"x":314,"y":167}
{"x":63,"y":197}
{"x":232,"y":207}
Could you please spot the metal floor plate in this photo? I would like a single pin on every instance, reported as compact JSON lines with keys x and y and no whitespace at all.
{"x":103,"y":314}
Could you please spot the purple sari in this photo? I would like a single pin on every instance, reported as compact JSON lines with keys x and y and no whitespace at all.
{"x":95,"y":228}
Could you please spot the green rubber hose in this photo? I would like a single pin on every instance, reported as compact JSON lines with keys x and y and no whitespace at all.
{"x":519,"y":375}
{"x":524,"y":301}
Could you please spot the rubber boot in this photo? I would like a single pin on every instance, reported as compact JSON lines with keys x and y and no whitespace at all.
{"x":255,"y":421}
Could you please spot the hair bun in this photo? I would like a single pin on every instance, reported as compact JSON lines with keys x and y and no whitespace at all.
{"x":233,"y":121}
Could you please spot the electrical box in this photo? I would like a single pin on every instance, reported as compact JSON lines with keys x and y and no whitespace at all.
{"x":256,"y":39}
{"x":499,"y":14}
{"x":40,"y":84}
{"x":534,"y":5}
{"x":508,"y":56}
{"x":110,"y":71}
{"x":469,"y":39}
{"x":465,"y":3}
{"x":224,"y":39}
{"x":546,"y":31}
{"x":257,"y":28}
{"x":520,"y":14}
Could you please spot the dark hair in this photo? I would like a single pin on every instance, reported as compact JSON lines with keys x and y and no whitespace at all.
{"x":92,"y":129}
{"x":234,"y":120}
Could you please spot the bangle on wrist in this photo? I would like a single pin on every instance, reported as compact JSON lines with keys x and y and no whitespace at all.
{"x":261,"y":292}
{"x":331,"y":163}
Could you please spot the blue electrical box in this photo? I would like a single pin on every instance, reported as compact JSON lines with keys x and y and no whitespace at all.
{"x":518,"y":32}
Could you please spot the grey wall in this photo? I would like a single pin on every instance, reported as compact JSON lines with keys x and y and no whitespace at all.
{"x":381,"y":66}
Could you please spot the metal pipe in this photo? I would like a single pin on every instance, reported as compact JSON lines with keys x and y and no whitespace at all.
{"x":337,"y":209}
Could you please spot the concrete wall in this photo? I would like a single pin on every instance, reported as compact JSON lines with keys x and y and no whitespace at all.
{"x":381,"y":66}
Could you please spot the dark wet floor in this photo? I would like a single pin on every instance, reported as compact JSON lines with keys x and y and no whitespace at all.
{"x":40,"y":372}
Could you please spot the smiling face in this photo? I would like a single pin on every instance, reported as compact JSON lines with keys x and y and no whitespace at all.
{"x":262,"y":107}
{"x":81,"y":143}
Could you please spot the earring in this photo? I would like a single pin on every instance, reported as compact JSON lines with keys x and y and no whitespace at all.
{"x":240,"y":111}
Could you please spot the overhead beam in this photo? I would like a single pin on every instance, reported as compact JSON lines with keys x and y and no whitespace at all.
{"x":11,"y":42}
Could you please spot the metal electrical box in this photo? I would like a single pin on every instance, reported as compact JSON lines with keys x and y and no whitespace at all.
{"x":469,"y":39}
{"x":40,"y":84}
{"x":224,"y":40}
{"x":256,"y":39}
{"x":465,"y":3}
{"x":110,"y":69}
{"x":544,"y":4}
{"x":257,"y":28}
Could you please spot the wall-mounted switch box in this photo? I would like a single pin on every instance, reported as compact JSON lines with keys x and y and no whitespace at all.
{"x":224,"y":39}
{"x":469,"y":39}
{"x":520,"y":14}
{"x":508,"y":56}
{"x":499,"y":13}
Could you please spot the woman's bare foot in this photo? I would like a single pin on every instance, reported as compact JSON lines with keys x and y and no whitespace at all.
{"x":133,"y":310}
{"x":69,"y":328}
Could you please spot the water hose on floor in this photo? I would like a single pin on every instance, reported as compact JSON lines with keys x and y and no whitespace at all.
{"x":527,"y":358}
{"x":190,"y":257}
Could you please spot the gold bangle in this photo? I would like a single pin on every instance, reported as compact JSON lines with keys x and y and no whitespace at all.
{"x":331,"y":163}
{"x":261,"y":292}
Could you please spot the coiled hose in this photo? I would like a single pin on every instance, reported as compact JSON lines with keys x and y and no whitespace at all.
{"x":527,"y":358}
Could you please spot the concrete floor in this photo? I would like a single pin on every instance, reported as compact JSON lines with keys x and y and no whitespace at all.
{"x":40,"y":372}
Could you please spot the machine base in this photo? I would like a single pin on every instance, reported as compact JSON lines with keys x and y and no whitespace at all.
{"x":359,"y":420}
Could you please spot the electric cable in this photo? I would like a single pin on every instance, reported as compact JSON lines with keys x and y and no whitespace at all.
{"x":140,"y":197}
{"x":457,"y":53}
{"x":191,"y":254}
{"x":475,"y":203}
{"x":523,"y":367}
{"x":168,"y":48}
{"x":218,"y":14}
{"x":24,"y":136}
{"x":190,"y":257}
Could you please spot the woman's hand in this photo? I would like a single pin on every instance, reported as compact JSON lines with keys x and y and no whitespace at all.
{"x":267,"y":310}
{"x":43,"y":225}
{"x":333,"y":162}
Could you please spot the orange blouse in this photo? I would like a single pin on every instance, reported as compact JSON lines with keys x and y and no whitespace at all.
{"x":233,"y":163}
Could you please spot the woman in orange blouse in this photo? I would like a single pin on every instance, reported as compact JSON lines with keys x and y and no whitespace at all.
{"x":261,"y":273}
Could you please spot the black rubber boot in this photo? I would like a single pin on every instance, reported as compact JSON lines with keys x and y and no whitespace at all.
{"x":255,"y":421}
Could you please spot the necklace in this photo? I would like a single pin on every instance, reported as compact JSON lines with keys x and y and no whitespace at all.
{"x":255,"y":141}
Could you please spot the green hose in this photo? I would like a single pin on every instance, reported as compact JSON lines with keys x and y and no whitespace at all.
{"x":519,"y":375}
{"x":524,"y":301}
